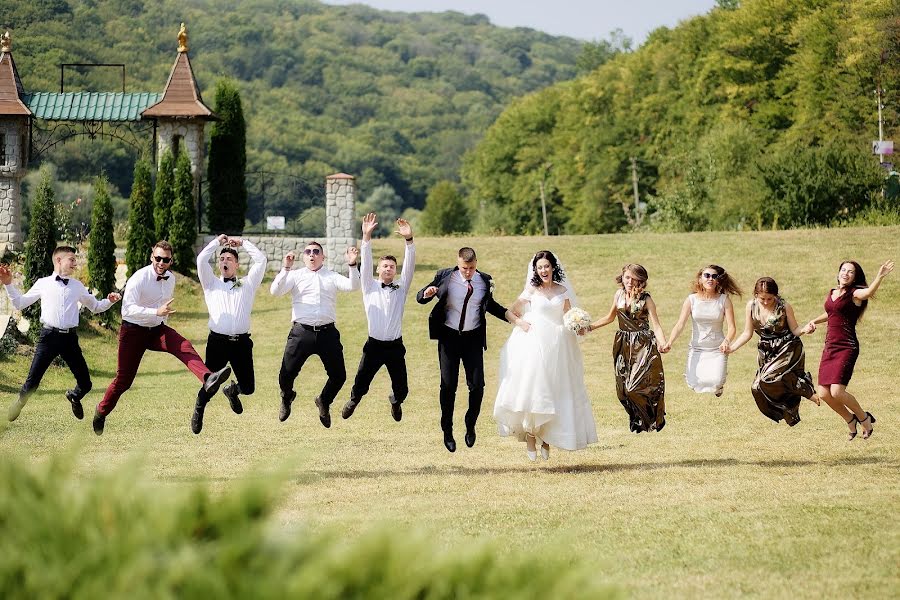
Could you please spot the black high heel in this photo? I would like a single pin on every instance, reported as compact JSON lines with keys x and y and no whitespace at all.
{"x":854,"y":432}
{"x":867,"y":433}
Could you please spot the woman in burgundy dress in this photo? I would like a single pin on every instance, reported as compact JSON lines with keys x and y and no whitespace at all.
{"x":844,"y":306}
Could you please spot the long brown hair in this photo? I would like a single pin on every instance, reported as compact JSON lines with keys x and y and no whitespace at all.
{"x":724,"y":283}
{"x":640,"y":273}
{"x":859,"y":281}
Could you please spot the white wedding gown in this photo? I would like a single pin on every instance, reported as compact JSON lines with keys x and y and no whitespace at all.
{"x":707,"y":366}
{"x":542,"y":388}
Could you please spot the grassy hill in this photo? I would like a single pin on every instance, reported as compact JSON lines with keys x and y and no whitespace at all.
{"x":721,"y":503}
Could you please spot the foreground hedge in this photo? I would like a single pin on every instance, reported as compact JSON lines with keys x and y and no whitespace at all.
{"x":64,"y":536}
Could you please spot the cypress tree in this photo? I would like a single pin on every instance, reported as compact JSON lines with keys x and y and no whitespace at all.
{"x":164,"y":195}
{"x":227,"y":207}
{"x":40,"y":245}
{"x":183,"y":231}
{"x":101,"y":253}
{"x":141,"y":234}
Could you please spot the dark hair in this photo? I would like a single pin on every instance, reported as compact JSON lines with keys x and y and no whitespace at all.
{"x":639,"y":271}
{"x":558,"y":274}
{"x":724,"y":283}
{"x":467,"y":254}
{"x":859,"y":281}
{"x":163,"y":245}
{"x":230,"y":251}
{"x":765,"y":285}
{"x":390,"y":257}
{"x":315,"y":243}
{"x":62,"y":249}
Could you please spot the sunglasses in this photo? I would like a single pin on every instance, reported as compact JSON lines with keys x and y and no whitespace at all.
{"x":163,"y":259}
{"x":313,"y":251}
{"x":710,"y":276}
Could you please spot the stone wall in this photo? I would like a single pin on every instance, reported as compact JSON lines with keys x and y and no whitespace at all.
{"x":276,"y":247}
{"x":12,"y":131}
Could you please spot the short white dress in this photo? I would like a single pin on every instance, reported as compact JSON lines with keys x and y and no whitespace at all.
{"x":542,"y":389}
{"x":706,"y":364}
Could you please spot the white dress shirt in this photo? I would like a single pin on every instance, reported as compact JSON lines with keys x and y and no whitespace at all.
{"x":384,"y":305}
{"x":59,"y":301}
{"x":456,"y":295}
{"x":314,"y":293}
{"x":144,"y":294}
{"x":229,"y":304}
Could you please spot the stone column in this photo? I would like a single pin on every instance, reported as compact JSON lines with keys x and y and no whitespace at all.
{"x":191,"y":132}
{"x":340,"y":222}
{"x":14,"y":133}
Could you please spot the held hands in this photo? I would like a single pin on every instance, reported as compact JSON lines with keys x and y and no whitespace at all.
{"x":404,"y":229}
{"x":724,"y":347}
{"x":114,"y":297}
{"x":166,"y":309}
{"x":288,"y":262}
{"x":809,"y":328}
{"x":352,"y":255}
{"x":523,"y":324}
{"x":5,"y":275}
{"x":430,"y":291}
{"x":664,"y":349}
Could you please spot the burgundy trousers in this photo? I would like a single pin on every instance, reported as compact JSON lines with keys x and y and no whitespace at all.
{"x":134,"y":340}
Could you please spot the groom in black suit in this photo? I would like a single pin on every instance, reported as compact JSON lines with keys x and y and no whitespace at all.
{"x":458,"y":323}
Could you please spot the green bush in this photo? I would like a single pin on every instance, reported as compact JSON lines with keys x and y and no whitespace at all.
{"x":102,"y":250}
{"x":164,"y":195}
{"x":141,"y":234}
{"x":183,"y":230}
{"x":227,"y":205}
{"x":40,"y":245}
{"x":67,"y":536}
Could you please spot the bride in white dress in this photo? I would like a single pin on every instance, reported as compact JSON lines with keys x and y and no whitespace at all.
{"x":542,"y":399}
{"x":710,"y":310}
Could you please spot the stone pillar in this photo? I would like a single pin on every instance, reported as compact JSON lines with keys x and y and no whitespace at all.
{"x":14,"y":136}
{"x":340,"y":222}
{"x":192,"y":141}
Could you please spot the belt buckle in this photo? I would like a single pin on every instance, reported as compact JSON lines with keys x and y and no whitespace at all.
{"x":58,"y":330}
{"x":234,"y":338}
{"x":317,"y":328}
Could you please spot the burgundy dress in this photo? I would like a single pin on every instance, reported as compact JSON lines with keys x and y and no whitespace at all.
{"x":841,"y":346}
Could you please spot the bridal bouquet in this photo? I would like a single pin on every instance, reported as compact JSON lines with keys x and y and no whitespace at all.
{"x":576,"y":319}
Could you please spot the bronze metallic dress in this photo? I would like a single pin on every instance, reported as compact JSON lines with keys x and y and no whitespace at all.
{"x":782,"y":378}
{"x":640,"y":381}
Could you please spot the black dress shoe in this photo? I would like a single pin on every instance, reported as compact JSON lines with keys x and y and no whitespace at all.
{"x":397,"y":411}
{"x":197,"y":417}
{"x":99,"y":422}
{"x":470,"y":438}
{"x":348,"y":409}
{"x":231,"y":392}
{"x":214,"y":380}
{"x":324,"y":415}
{"x":449,"y":442}
{"x":286,"y":399}
{"x":75,"y":401}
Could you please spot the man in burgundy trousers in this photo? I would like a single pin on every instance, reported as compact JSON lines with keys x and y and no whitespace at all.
{"x":146,"y":305}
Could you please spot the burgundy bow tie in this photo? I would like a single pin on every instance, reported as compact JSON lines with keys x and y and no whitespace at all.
{"x":64,"y":280}
{"x":164,"y":277}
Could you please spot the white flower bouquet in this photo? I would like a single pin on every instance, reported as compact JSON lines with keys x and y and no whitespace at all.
{"x":576,"y":319}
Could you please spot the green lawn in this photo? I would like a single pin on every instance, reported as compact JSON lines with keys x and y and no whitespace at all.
{"x":721,"y":503}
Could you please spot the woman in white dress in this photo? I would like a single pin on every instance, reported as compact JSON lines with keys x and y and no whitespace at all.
{"x":542,"y":399}
{"x":709,"y":309}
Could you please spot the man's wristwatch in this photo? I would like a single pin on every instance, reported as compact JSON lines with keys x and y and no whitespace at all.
{"x":409,"y":239}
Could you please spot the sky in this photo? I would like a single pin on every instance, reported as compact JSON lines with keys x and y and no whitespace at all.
{"x":590,"y":20}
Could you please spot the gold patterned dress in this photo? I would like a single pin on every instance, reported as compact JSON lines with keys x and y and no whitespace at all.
{"x":782,"y":379}
{"x":640,"y":380}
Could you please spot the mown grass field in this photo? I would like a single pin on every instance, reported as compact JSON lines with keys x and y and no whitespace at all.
{"x":721,"y":503}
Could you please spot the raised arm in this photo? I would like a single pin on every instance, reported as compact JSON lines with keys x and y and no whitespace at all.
{"x":204,"y":269}
{"x":18,"y":299}
{"x":409,"y":254}
{"x":682,"y":321}
{"x":369,"y":223}
{"x":883,"y":271}
{"x":348,"y":284}
{"x":746,"y":334}
{"x":283,"y":282}
{"x":259,"y":259}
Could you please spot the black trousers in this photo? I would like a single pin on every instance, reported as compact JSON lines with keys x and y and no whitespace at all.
{"x":51,"y":344}
{"x":303,"y":343}
{"x":237,"y":350}
{"x":454,"y":347}
{"x":375,"y":354}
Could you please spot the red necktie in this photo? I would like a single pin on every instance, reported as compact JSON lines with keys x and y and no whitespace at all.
{"x":462,"y":314}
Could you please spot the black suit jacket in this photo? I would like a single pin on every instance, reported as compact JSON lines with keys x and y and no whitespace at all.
{"x":438,"y":316}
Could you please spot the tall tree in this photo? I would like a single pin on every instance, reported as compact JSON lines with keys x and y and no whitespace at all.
{"x":40,"y":244}
{"x":101,"y":253}
{"x":164,"y":195}
{"x":227,"y":206}
{"x":445,"y":212}
{"x":183,"y":231}
{"x":141,"y":234}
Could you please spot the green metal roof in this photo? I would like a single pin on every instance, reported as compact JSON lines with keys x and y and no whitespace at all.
{"x":89,"y":106}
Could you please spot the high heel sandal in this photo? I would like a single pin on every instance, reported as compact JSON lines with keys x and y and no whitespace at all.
{"x":545,"y":451}
{"x":532,"y":454}
{"x":867,"y":433}
{"x":853,"y":433}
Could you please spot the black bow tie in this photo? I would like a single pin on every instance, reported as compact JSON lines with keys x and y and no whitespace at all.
{"x":231,"y":279}
{"x":65,"y":281}
{"x":164,"y":277}
{"x":393,"y":286}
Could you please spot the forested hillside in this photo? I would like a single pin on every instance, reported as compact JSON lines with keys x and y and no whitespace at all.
{"x":757,"y":115}
{"x":392,"y":98}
